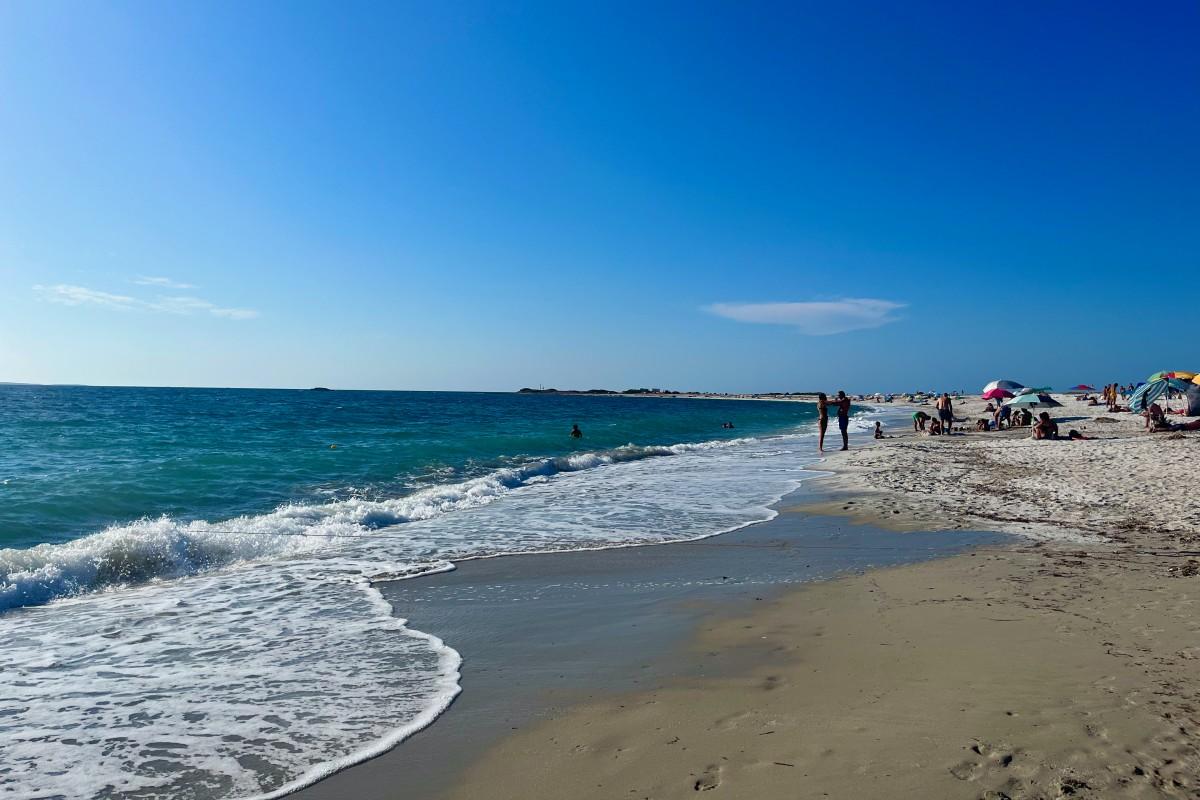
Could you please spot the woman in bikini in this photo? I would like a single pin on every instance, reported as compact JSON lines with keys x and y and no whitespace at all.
{"x":822,"y":419}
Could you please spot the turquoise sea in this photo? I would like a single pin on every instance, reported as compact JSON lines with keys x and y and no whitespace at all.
{"x":186,"y":575}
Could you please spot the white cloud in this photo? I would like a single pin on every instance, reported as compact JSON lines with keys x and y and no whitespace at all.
{"x":79,"y":296}
{"x":817,"y":318}
{"x":68,"y":295}
{"x":234,"y":313}
{"x":187,"y":305}
{"x":165,"y":283}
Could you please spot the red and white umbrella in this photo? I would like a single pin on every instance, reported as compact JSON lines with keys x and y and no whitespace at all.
{"x":1008,"y":386}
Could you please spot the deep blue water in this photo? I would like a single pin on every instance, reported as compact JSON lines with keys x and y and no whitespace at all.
{"x":77,"y":459}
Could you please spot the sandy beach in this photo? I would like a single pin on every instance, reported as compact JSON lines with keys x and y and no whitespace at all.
{"x":1064,"y":665}
{"x":542,"y":633}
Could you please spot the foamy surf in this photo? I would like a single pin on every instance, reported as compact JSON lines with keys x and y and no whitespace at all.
{"x":204,"y":660}
{"x":164,"y":548}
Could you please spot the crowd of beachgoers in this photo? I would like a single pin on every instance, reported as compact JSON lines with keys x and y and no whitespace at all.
{"x":1010,"y":406}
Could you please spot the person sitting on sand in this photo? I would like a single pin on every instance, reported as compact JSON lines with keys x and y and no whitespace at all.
{"x":982,"y":425}
{"x":879,"y":431}
{"x":1154,"y":416}
{"x":919,"y":420}
{"x":990,"y":409}
{"x":935,"y":427}
{"x":1046,"y":428}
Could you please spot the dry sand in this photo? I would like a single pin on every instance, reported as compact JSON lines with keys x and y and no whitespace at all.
{"x":1067,"y":665}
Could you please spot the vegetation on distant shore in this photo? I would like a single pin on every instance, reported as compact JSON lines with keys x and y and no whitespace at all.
{"x":527,"y":390}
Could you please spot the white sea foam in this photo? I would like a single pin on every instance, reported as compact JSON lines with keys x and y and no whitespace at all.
{"x":249,"y":657}
{"x":166,"y":548}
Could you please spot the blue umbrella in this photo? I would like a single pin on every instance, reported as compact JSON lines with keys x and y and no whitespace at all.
{"x":1147,"y":393}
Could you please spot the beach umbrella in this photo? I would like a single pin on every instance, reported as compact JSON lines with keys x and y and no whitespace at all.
{"x":1181,"y":374}
{"x":997,"y":394}
{"x":1150,"y":391}
{"x":1033,"y":401}
{"x":1083,"y":387}
{"x":1146,"y":394}
{"x":1008,"y":386}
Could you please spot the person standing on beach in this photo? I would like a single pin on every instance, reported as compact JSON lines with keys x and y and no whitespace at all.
{"x":945,"y":407}
{"x":843,"y":407}
{"x":822,"y":419}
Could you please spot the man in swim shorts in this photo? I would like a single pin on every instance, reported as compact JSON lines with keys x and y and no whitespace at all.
{"x":843,"y":407}
{"x":945,"y":409}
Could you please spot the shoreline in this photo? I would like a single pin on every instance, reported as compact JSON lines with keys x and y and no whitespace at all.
{"x":432,"y":759}
{"x":1060,"y":666}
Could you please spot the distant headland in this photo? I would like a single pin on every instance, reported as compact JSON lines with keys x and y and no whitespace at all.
{"x":527,"y":390}
{"x":673,"y":393}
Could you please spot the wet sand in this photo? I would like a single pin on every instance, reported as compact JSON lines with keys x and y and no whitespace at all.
{"x":541,"y":634}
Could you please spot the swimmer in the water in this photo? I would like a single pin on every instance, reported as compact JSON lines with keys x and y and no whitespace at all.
{"x":575,"y":432}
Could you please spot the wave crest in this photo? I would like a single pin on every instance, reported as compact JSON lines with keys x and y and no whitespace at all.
{"x":164,"y":548}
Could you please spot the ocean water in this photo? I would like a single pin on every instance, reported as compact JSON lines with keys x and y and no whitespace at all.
{"x":186,"y":598}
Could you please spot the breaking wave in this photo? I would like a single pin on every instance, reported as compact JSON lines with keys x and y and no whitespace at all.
{"x":147,"y":550}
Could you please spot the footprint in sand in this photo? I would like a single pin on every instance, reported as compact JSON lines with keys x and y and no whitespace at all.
{"x":710,"y":779}
{"x":991,"y":758}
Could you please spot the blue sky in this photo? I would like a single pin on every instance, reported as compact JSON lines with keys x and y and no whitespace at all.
{"x":695,"y":195}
